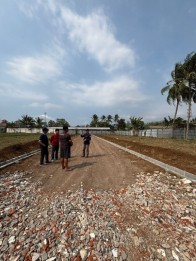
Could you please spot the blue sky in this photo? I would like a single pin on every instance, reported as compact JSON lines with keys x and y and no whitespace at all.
{"x":72,"y":59}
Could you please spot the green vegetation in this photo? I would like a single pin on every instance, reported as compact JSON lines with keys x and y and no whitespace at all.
{"x":8,"y":139}
{"x":27,"y":121}
{"x":186,"y":146}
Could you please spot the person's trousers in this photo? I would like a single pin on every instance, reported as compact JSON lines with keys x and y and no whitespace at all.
{"x":55,"y":151}
{"x":44,"y":154}
{"x":86,"y":149}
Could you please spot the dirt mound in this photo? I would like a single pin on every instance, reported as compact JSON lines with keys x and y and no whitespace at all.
{"x":18,"y":149}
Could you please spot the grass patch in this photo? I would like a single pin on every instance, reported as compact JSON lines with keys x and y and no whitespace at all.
{"x":186,"y":146}
{"x":8,"y":139}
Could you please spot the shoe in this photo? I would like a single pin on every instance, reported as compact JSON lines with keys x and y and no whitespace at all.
{"x":82,"y":156}
{"x":47,"y":162}
{"x":41,"y":164}
{"x":52,"y":160}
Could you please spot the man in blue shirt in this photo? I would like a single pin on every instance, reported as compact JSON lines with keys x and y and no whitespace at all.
{"x":86,"y":138}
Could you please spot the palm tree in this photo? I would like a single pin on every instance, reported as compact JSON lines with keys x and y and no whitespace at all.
{"x":94,"y":121}
{"x":109,"y":120}
{"x":168,"y":122}
{"x":190,"y":84}
{"x":116,"y":119}
{"x":27,"y":121}
{"x":102,"y":122}
{"x":11,"y":125}
{"x":136,"y":124}
{"x":175,"y":88}
{"x":121,"y":124}
{"x":39,"y":122}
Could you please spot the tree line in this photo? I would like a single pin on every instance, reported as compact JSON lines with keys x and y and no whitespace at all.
{"x":113,"y":122}
{"x":27,"y":121}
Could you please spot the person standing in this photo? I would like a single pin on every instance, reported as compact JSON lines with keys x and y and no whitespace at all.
{"x":43,"y":141}
{"x":65,"y":141}
{"x":86,"y":139}
{"x":54,"y":141}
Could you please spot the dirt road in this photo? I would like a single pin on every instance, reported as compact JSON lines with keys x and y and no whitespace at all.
{"x":106,"y":167}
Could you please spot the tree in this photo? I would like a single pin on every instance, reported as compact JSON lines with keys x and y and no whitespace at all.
{"x":51,"y":123}
{"x":94,"y":121}
{"x":136,"y":124}
{"x":103,"y":121}
{"x":168,"y":122}
{"x":116,"y":119}
{"x":182,"y":87}
{"x":39,"y":122}
{"x":175,"y":87}
{"x":61,"y":122}
{"x":27,"y":121}
{"x":11,"y":125}
{"x":109,"y":120}
{"x":121,"y":124}
{"x":190,"y":84}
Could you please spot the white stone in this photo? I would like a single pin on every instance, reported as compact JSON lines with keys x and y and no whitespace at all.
{"x":35,"y":256}
{"x":115,"y":252}
{"x":186,"y":181}
{"x":175,"y":256}
{"x":11,"y":239}
{"x":92,"y":235}
{"x":83,"y":254}
{"x":161,"y":251}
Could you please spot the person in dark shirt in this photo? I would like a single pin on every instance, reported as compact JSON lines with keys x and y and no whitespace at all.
{"x":43,"y":141}
{"x":65,"y":142}
{"x":86,"y":143}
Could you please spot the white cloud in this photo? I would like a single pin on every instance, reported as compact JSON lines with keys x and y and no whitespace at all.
{"x":15,"y":92}
{"x":94,"y":35}
{"x":46,"y":105}
{"x":117,"y":92}
{"x":27,"y":7}
{"x":33,"y":69}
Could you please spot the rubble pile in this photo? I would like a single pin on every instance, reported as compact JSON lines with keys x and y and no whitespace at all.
{"x":150,"y":220}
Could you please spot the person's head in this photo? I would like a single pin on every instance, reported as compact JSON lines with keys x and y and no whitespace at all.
{"x":56,"y":131}
{"x":87,"y":130}
{"x":45,"y":130}
{"x":65,"y":128}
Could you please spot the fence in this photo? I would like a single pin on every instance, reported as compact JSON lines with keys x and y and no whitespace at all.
{"x":72,"y":130}
{"x":162,"y":133}
{"x":169,"y":133}
{"x":157,"y":133}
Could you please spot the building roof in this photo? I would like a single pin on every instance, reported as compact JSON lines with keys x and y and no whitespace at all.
{"x":3,"y":124}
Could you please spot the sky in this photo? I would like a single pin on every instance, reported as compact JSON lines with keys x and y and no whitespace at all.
{"x":72,"y":59}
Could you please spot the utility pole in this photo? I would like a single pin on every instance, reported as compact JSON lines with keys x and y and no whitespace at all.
{"x":45,"y":118}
